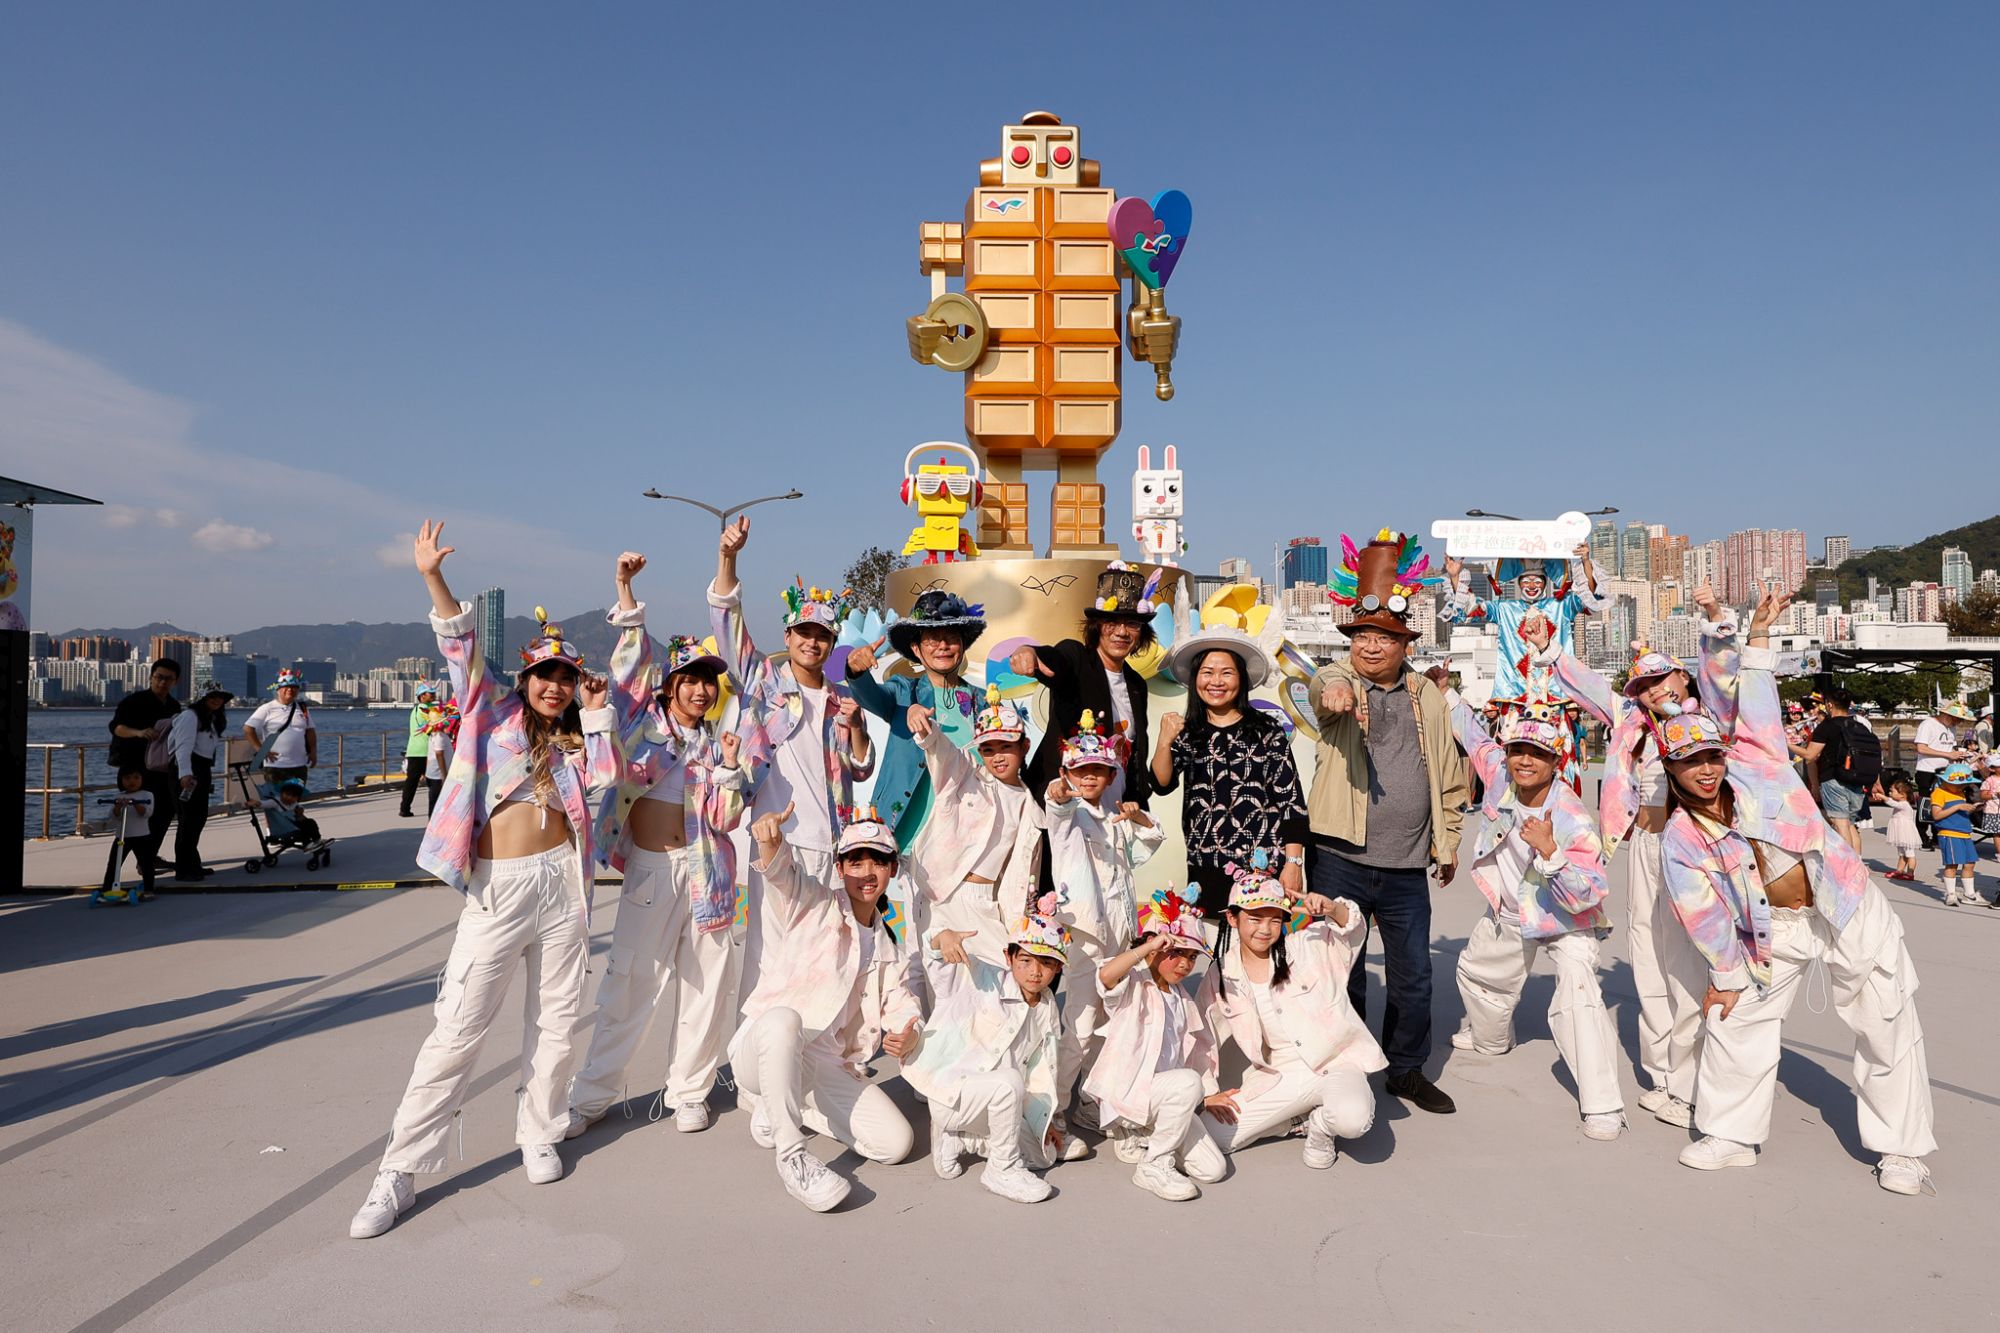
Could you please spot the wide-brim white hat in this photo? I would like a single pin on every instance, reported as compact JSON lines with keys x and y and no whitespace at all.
{"x":1258,"y":666}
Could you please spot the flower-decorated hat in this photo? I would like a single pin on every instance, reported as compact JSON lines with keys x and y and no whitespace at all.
{"x":998,"y":721}
{"x":1379,"y":580}
{"x":1690,"y":733}
{"x":1958,"y":775}
{"x":443,"y":719}
{"x":1091,"y":744}
{"x":816,"y":606}
{"x":1255,"y":885}
{"x":433,"y":688}
{"x":862,"y":829}
{"x":684,"y":652}
{"x":1232,"y":619}
{"x":1539,"y":724}
{"x":210,"y":689}
{"x":1647,"y":668}
{"x":1955,"y":709}
{"x":1041,"y":932}
{"x":289,"y":678}
{"x":550,"y":646}
{"x":1125,"y":593}
{"x":937,"y":610}
{"x":1172,"y":912}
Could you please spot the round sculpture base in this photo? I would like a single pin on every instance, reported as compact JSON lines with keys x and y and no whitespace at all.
{"x":1039,"y":601}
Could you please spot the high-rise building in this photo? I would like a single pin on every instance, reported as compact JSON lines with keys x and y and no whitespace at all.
{"x":416,"y":668}
{"x":489,"y":616}
{"x":1668,"y":553}
{"x":232,"y":672}
{"x":1826,"y":595}
{"x":179,"y":649}
{"x":1957,"y":571}
{"x":1604,"y":548}
{"x":1757,"y":558}
{"x":1702,"y":564}
{"x":1990,"y":579}
{"x":40,"y":644}
{"x":1837,"y":551}
{"x":95,"y":648}
{"x":1920,"y":602}
{"x":1305,"y":562}
{"x":1635,"y":553}
{"x":1621,"y":626}
{"x":318,"y":673}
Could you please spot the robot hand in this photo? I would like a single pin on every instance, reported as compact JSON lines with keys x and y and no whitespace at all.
{"x":1154,"y":337}
{"x":925,"y":335}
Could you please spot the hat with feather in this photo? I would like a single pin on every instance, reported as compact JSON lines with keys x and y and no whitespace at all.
{"x":1380,"y":579}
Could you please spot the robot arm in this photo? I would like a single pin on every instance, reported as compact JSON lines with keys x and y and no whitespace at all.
{"x":951,"y":333}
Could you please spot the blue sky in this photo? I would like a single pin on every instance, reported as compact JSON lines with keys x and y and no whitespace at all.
{"x":278,"y":281}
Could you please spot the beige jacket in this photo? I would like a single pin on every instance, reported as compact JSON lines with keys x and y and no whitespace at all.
{"x":1338,"y":805}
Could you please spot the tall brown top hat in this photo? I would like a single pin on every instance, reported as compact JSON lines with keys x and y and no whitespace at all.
{"x":1380,"y":579}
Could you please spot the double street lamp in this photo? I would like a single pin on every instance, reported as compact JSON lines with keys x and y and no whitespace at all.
{"x":722,"y":516}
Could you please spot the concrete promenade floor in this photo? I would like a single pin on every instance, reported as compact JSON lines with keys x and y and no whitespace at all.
{"x":194,"y":1094}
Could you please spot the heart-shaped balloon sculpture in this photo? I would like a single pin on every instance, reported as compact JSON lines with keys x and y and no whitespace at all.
{"x":1152,"y":235}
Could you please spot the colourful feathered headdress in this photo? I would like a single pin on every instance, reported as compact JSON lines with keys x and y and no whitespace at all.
{"x":1172,"y":912}
{"x":1379,"y":579}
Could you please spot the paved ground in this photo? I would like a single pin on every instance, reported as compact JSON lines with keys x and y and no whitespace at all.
{"x":159,"y":1058}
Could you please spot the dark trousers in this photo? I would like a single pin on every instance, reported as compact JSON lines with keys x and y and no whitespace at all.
{"x":166,"y":789}
{"x":114,"y":863}
{"x":194,"y":818}
{"x":1926,"y":832}
{"x":413,"y":774}
{"x":1397,"y":903}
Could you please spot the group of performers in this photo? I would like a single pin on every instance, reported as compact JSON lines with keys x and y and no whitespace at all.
{"x":1030,"y":994}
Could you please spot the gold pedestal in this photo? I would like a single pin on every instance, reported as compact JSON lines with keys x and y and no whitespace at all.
{"x":1040,"y":600}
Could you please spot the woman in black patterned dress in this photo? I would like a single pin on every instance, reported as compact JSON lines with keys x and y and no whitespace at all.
{"x":1243,"y":789}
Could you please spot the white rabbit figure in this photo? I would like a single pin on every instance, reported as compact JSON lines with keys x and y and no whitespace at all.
{"x":1156,"y":509}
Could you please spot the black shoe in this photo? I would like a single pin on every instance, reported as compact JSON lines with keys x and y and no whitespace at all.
{"x":406,"y":814}
{"x":1421,"y":1093}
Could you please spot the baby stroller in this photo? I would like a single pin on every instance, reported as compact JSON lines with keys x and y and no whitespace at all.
{"x":280,"y":827}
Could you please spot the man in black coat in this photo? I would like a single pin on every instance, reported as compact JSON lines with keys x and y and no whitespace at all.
{"x":139,"y":719}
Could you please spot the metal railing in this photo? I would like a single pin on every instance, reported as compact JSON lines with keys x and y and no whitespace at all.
{"x":69,"y":759}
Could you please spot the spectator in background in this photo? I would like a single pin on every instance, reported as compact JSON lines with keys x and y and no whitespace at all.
{"x":417,"y":754}
{"x":1843,"y":759}
{"x":139,"y":739}
{"x":283,"y":728}
{"x":1937,"y":745}
{"x":200,"y":734}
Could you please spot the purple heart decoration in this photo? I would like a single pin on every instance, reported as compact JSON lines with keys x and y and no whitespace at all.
{"x":1151,"y":235}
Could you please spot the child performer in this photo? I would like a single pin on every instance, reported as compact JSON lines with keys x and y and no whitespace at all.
{"x":1146,"y":1080}
{"x":1093,"y":850}
{"x":680,"y":793}
{"x":512,"y":833}
{"x":836,"y":987}
{"x":1951,"y":819}
{"x":968,"y":845}
{"x":987,"y":1062}
{"x":1903,"y":836}
{"x":1283,"y":998}
{"x":1766,"y":888}
{"x":1538,"y":861}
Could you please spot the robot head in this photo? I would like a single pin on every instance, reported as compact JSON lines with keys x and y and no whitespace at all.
{"x":942,"y":489}
{"x":1041,"y":150}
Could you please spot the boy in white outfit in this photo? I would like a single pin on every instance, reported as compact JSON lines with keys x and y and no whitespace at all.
{"x":987,"y":1059}
{"x":836,"y":987}
{"x":978,"y":815}
{"x":1537,"y":858}
{"x":1093,"y":850}
{"x":1146,"y":1078}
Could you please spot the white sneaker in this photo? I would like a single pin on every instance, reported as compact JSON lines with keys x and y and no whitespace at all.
{"x":1321,"y":1151}
{"x":1015,"y":1182}
{"x":1675,"y":1112}
{"x":1129,"y":1146}
{"x":1652,"y":1099}
{"x":947,"y":1153}
{"x":1951,"y":897}
{"x":761,"y":1132}
{"x":1074,"y":1149}
{"x":1712,"y":1154}
{"x":388,"y":1199}
{"x":691,"y":1117}
{"x":1903,"y":1175}
{"x":543,"y":1163}
{"x":1165,"y":1181}
{"x":807,"y":1180}
{"x":1604,"y":1127}
{"x":1462,"y":1040}
{"x":579,"y":1122}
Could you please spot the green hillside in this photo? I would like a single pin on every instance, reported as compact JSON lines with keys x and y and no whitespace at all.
{"x":1922,"y":562}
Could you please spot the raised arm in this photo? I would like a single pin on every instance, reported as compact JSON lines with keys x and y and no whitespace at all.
{"x":1592,"y":692}
{"x":451,"y":621}
{"x":1585,"y":593}
{"x":1760,"y":717}
{"x":1487,"y":756}
{"x":725,"y":614}
{"x":1165,"y":777}
{"x":871,"y":693}
{"x":1459,"y":603}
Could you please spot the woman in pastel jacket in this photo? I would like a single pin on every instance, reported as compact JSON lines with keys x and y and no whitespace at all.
{"x":984,"y":827}
{"x":1282,"y":998}
{"x":1536,"y":858}
{"x":838,"y":987}
{"x":680,"y":792}
{"x":1767,"y":890}
{"x":511,"y":832}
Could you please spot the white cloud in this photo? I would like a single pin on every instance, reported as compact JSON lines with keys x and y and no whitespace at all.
{"x":121,"y":516}
{"x":167,"y":518}
{"x":229,"y":538}
{"x":396,"y":553}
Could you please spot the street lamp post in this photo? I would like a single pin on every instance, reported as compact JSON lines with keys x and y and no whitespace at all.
{"x":722,"y":516}
{"x":1509,"y":518}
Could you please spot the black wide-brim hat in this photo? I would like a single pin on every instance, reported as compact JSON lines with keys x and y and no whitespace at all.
{"x":935,"y":612}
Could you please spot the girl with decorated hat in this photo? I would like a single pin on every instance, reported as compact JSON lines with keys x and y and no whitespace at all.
{"x":1767,"y":890}
{"x":837,"y":987}
{"x":681,"y":792}
{"x":1283,"y":999}
{"x":512,"y":833}
{"x":1147,"y":1079}
{"x":986,"y":1061}
{"x":1537,"y":859}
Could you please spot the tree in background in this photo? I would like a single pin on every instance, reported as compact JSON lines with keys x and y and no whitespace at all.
{"x":1975,"y":615}
{"x":869,"y":575}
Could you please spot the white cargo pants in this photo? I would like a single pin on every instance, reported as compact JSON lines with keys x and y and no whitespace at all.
{"x":1493,"y":967}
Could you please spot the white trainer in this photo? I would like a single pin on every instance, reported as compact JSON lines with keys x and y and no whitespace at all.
{"x":761,"y":1131}
{"x":1321,"y":1151}
{"x":1903,"y":1175}
{"x":1015,"y":1182}
{"x":544,"y":1164}
{"x":1710,"y":1153}
{"x":1604,"y":1127}
{"x":1165,"y":1181}
{"x":389,"y":1198}
{"x":1675,"y":1112}
{"x":1461,"y":1040}
{"x":947,"y":1153}
{"x":1074,"y":1149}
{"x":579,"y":1122}
{"x":807,"y":1180}
{"x":1129,"y":1146}
{"x":691,"y":1117}
{"x":1652,"y":1099}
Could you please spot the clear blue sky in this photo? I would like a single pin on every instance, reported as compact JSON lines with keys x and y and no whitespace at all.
{"x":278,"y":280}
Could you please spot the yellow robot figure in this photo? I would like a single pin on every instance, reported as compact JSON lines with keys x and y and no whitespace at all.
{"x":942,"y":494}
{"x":1036,"y":331}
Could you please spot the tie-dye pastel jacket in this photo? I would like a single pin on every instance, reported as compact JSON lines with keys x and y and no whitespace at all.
{"x":492,"y":764}
{"x":1563,"y":893}
{"x":773,"y":709}
{"x":1715,"y":886}
{"x":1135,"y":1029}
{"x":965,"y":814}
{"x":978,"y":1016}
{"x":647,"y":744}
{"x":1515,"y":660}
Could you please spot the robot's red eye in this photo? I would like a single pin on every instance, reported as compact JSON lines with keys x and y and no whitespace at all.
{"x":1020,"y":155}
{"x":1062,"y":155}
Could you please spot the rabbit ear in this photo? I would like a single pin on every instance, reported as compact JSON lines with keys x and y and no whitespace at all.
{"x":1172,"y":461}
{"x":1145,"y":458}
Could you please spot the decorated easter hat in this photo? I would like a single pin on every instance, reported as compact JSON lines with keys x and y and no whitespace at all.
{"x":1648,"y":667}
{"x":1958,"y":775}
{"x":1255,"y":886}
{"x":862,"y":829}
{"x":816,"y":606}
{"x":289,"y":678}
{"x":1691,"y":733}
{"x":937,"y":610}
{"x":1125,"y":593}
{"x":1041,"y":932}
{"x":430,"y":687}
{"x":1955,"y":709}
{"x":1234,"y":620}
{"x":684,"y":652}
{"x":1539,"y":724}
{"x":998,"y":721}
{"x":550,"y":646}
{"x":1380,"y":579}
{"x":1172,"y":912}
{"x":1091,"y":744}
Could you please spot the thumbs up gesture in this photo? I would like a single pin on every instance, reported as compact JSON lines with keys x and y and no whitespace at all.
{"x":768,"y":830}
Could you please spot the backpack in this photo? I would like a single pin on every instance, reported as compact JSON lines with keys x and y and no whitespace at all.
{"x":1862,"y":763}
